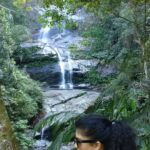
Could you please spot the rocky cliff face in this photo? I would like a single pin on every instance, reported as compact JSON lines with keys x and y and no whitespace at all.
{"x":36,"y":11}
{"x":7,"y":139}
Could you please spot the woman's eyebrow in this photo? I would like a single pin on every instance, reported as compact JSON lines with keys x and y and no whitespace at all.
{"x":80,"y":139}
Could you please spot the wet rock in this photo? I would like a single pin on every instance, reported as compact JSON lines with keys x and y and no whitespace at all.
{"x":40,"y":145}
{"x":106,"y":70}
{"x":77,"y":101}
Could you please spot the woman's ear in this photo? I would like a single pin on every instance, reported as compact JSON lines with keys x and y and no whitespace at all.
{"x":99,"y":146}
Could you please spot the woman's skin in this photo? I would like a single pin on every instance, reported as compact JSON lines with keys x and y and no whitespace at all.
{"x":86,"y":146}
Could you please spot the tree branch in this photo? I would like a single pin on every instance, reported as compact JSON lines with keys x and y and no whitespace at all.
{"x":116,"y":15}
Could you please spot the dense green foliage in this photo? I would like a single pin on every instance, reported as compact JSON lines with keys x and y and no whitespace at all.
{"x":116,"y":36}
{"x":21,"y":95}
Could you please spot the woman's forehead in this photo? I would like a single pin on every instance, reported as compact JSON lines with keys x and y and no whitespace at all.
{"x":80,"y":134}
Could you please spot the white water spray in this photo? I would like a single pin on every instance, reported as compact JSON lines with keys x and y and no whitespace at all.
{"x":43,"y":37}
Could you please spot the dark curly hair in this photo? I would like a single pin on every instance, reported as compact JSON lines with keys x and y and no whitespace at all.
{"x":114,"y":135}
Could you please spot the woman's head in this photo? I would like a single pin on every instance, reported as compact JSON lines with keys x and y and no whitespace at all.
{"x":86,"y":143}
{"x":97,"y":133}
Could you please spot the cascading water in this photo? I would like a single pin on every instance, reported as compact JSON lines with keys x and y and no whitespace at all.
{"x":65,"y":61}
{"x":44,"y":34}
{"x":66,"y":70}
{"x":42,"y":133}
{"x":69,"y":82}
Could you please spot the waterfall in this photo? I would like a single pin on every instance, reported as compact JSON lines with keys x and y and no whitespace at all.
{"x":66,"y":70}
{"x":42,"y":133}
{"x":43,"y":36}
{"x":69,"y":61}
{"x":65,"y":61}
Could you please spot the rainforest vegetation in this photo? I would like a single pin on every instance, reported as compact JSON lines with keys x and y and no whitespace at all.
{"x":20,"y":94}
{"x":116,"y":34}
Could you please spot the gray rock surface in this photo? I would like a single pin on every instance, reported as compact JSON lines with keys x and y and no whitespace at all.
{"x":56,"y":101}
